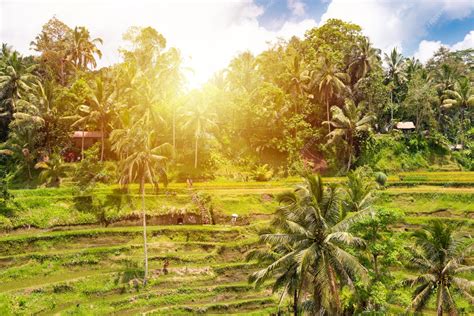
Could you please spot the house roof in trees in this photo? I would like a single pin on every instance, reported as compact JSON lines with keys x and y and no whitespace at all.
{"x":405,"y":125}
{"x":93,"y":134}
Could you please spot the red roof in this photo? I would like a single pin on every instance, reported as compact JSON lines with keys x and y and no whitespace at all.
{"x":80,"y":134}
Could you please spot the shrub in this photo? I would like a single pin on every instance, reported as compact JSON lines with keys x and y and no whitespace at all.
{"x":5,"y":224}
{"x":381,"y":178}
{"x":90,"y":170}
{"x":262,"y":173}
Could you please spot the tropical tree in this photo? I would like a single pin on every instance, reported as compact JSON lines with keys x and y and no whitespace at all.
{"x":366,"y":59}
{"x":329,"y":81}
{"x":199,"y":119}
{"x":347,"y":122}
{"x":359,"y":190}
{"x":101,"y":109}
{"x":462,"y":98}
{"x":82,"y":49}
{"x":53,"y":170}
{"x":144,"y":164}
{"x":396,"y":75}
{"x":17,"y":80}
{"x":311,"y":222}
{"x":287,"y":275}
{"x":440,"y":258}
{"x":299,"y":79}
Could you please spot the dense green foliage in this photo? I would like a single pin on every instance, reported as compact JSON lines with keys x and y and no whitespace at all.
{"x":324,"y":100}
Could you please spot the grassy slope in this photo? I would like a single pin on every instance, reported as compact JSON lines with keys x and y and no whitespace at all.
{"x":59,"y":270}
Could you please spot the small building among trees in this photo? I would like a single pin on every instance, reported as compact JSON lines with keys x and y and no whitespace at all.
{"x":405,"y":126}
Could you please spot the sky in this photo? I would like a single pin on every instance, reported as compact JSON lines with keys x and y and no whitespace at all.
{"x":209,"y":33}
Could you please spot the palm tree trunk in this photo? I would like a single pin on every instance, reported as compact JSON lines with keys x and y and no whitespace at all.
{"x":29,"y":170}
{"x":462,"y":128}
{"x":350,"y":153}
{"x":174,"y":129}
{"x":439,"y":300}
{"x":145,"y":247}
{"x":327,"y":112}
{"x":295,"y":302}
{"x":102,"y":130}
{"x":196,"y":153}
{"x":333,"y":289}
{"x":391,"y":107}
{"x":82,"y":145}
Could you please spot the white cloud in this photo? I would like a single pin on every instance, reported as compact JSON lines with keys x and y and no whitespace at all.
{"x":426,"y":49}
{"x":208,"y":33}
{"x":467,"y":42}
{"x":297,"y":7}
{"x":396,"y":23}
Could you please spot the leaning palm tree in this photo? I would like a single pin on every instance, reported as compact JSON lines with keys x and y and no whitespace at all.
{"x":329,"y":81}
{"x":462,"y":98}
{"x":144,"y":163}
{"x":347,"y":122}
{"x":441,"y":261}
{"x":311,"y":222}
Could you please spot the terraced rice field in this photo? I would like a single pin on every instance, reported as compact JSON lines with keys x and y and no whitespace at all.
{"x":86,"y":269}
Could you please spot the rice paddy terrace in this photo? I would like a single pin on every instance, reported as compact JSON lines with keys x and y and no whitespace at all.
{"x":66,"y":264}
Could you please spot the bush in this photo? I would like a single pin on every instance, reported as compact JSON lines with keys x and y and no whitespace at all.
{"x":90,"y":170}
{"x":381,"y":178}
{"x":262,"y":173}
{"x":5,"y":224}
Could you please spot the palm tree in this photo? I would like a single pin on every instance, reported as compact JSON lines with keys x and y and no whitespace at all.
{"x":347,"y":122}
{"x":440,"y":261}
{"x":310,"y":221}
{"x":102,"y":108}
{"x":329,"y":82}
{"x":200,"y":120}
{"x":17,"y":79}
{"x":286,"y":273}
{"x":461,"y":97}
{"x":82,"y":49}
{"x":53,"y":171}
{"x":367,"y":58}
{"x":359,"y":190}
{"x":145,"y":163}
{"x":299,"y":78}
{"x":395,"y":74}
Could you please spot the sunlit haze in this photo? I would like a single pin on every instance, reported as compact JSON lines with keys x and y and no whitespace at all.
{"x":209,"y":33}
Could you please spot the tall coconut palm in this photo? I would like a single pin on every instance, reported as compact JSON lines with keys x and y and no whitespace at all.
{"x":329,"y":81}
{"x":200,"y":120}
{"x":395,"y":74}
{"x":311,"y":222}
{"x":82,"y":49}
{"x":462,"y":98}
{"x":347,"y":122}
{"x":366,"y":59}
{"x":299,"y":78}
{"x":145,"y":164}
{"x":440,"y":258}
